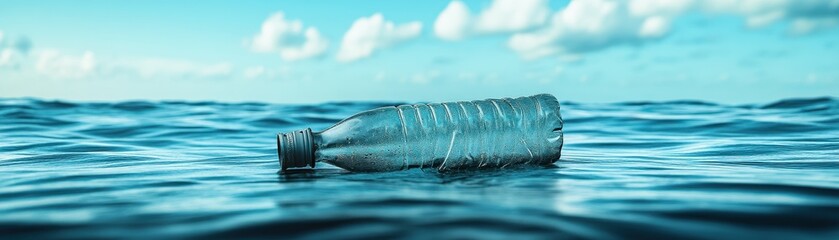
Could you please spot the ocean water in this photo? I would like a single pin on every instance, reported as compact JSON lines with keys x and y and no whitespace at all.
{"x":681,"y":169}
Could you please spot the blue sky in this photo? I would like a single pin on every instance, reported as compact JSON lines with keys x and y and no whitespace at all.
{"x":317,"y":51}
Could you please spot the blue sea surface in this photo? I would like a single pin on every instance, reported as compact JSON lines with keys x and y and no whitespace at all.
{"x":664,"y":170}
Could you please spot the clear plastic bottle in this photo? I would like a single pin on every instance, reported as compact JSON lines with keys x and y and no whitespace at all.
{"x":491,"y":133}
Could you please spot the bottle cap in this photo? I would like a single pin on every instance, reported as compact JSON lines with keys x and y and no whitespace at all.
{"x":296,"y":149}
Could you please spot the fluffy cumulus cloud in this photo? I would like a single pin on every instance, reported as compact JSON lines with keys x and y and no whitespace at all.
{"x":456,"y":21}
{"x":368,"y":34}
{"x":453,"y":22}
{"x":288,"y":38}
{"x":590,"y":25}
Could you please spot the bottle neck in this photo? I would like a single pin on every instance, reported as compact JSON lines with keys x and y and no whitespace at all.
{"x":296,"y":149}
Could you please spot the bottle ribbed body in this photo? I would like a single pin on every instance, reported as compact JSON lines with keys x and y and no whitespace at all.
{"x":445,"y":136}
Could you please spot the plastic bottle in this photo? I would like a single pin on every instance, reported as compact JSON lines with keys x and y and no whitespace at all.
{"x":491,"y":133}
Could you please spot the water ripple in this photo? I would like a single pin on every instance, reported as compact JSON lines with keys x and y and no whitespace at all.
{"x":175,"y":169}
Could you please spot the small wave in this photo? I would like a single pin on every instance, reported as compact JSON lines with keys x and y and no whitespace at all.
{"x":784,"y":217}
{"x":272,"y":122}
{"x":787,"y":188}
{"x":744,"y":126}
{"x":183,"y":169}
{"x":54,"y":104}
{"x":668,"y":103}
{"x":800,"y":103}
{"x":136,"y":106}
{"x":118,"y":131}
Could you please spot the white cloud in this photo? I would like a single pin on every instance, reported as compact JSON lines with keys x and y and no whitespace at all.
{"x":9,"y":58}
{"x":289,"y":39}
{"x":59,"y":64}
{"x":512,"y":15}
{"x":13,"y":54}
{"x":654,"y":27}
{"x":805,"y":16}
{"x":590,"y":25}
{"x":805,"y":26}
{"x":453,"y":22}
{"x":757,"y":13}
{"x":368,"y":34}
{"x":667,"y":8}
{"x":21,"y":44}
{"x":53,"y":63}
{"x":456,"y":22}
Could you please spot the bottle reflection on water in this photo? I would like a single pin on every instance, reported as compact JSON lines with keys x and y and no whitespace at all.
{"x":492,"y":133}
